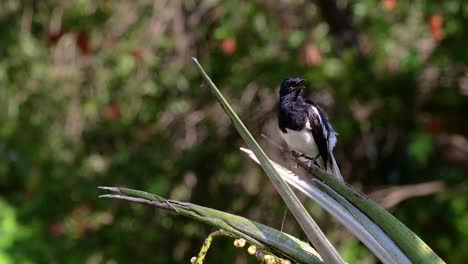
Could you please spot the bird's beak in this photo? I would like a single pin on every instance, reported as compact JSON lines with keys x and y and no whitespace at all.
{"x":298,"y":84}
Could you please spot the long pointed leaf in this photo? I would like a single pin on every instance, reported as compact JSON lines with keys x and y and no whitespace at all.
{"x":353,"y":219}
{"x":413,"y":246}
{"x":279,"y":243}
{"x":311,"y":229}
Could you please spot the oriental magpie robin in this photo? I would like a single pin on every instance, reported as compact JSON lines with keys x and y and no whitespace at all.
{"x":305,"y":127}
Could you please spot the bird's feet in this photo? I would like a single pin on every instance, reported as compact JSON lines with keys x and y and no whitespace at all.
{"x":312,"y":162}
{"x":297,"y":154}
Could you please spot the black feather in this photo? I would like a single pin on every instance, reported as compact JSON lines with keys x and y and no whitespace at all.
{"x":319,"y":137}
{"x":295,"y":111}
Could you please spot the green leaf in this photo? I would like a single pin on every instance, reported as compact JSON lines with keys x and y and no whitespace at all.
{"x":279,"y":243}
{"x":413,"y":246}
{"x":352,"y":218}
{"x":311,"y":229}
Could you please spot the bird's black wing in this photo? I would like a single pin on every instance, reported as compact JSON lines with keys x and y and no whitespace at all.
{"x":317,"y":128}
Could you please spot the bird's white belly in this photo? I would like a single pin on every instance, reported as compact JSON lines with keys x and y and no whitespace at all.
{"x":301,"y":141}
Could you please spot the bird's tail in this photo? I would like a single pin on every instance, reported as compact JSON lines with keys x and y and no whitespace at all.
{"x":333,"y":168}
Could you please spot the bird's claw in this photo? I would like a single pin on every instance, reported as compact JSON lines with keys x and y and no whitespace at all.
{"x":311,"y":163}
{"x":296,"y":154}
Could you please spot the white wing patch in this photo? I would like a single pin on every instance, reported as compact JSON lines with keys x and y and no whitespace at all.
{"x":317,"y":113}
{"x":331,"y":141}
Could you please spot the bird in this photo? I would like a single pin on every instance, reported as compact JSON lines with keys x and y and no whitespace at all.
{"x":305,"y":126}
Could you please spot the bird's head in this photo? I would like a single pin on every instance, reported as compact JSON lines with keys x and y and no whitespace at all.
{"x":291,"y":85}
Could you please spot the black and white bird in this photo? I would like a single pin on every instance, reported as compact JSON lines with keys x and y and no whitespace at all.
{"x":305,"y":127}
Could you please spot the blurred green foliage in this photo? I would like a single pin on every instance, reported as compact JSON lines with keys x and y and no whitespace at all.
{"x":104,"y":93}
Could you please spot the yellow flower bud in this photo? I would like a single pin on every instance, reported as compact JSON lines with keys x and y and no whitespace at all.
{"x":252,"y":249}
{"x":239,"y":242}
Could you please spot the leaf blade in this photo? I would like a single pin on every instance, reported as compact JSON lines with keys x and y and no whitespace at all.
{"x":256,"y":233}
{"x":354,"y":220}
{"x":413,"y":246}
{"x":311,"y":229}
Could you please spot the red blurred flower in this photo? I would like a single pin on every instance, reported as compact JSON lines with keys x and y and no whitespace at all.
{"x":228,"y":46}
{"x":112,"y":111}
{"x":311,"y":55}
{"x":388,"y":5}
{"x":435,"y":26}
{"x":54,"y":37}
{"x":82,"y":41}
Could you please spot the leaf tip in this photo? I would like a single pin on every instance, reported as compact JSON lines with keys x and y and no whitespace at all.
{"x":246,"y":150}
{"x":112,"y":189}
{"x":106,"y":196}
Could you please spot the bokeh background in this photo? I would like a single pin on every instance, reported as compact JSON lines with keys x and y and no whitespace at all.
{"x":105,"y":93}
